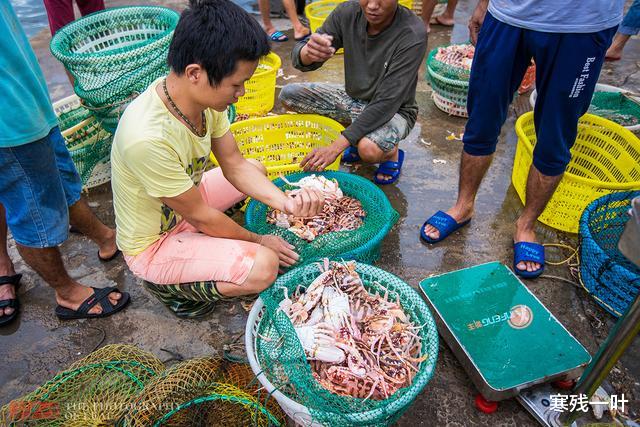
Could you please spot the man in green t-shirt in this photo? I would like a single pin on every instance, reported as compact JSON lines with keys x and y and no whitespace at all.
{"x":169,"y":210}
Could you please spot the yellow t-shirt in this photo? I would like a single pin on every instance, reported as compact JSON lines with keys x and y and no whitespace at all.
{"x":154,"y":155}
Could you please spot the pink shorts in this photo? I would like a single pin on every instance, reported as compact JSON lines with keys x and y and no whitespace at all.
{"x":185,"y":255}
{"x":60,"y":12}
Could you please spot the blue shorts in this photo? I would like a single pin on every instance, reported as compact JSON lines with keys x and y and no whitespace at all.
{"x":567,"y":69}
{"x":38,"y":183}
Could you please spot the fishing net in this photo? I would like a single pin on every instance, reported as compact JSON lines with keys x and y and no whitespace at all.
{"x":281,"y":358}
{"x":115,"y":54}
{"x":204,"y":392}
{"x":94,"y":391}
{"x":362,"y":244}
{"x":608,"y":275}
{"x":87,"y":141}
{"x":617,"y":107}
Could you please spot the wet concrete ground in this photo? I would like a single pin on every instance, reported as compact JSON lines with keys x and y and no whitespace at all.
{"x":36,"y":346}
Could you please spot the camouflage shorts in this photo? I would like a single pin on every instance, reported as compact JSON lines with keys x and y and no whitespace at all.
{"x":187,"y":300}
{"x":332,"y":101}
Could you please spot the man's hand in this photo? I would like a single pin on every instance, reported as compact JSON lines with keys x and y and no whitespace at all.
{"x":280,"y":246}
{"x":320,"y":158}
{"x":306,"y":203}
{"x":477,"y":18}
{"x":317,"y":49}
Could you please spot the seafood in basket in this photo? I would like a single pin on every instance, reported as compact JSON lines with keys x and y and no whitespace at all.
{"x":340,"y":212}
{"x":358,"y":344}
{"x":456,"y":55}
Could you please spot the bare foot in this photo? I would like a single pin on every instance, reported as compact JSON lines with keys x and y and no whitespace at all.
{"x":525,"y":234}
{"x":460,"y":214}
{"x":445,"y":21}
{"x":613,"y":54}
{"x":108,"y":248}
{"x":301,"y":32}
{"x":79,"y":294}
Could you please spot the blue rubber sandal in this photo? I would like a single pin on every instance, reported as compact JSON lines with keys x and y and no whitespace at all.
{"x":351,"y":155}
{"x":391,"y":169}
{"x":278,"y":36}
{"x":444,"y":223}
{"x":528,"y":251}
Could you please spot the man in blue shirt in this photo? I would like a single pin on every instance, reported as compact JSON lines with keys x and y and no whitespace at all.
{"x":40,"y":187}
{"x":568,"y":41}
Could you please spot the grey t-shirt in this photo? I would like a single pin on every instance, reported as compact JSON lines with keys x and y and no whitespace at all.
{"x":559,"y":16}
{"x":381,"y":69}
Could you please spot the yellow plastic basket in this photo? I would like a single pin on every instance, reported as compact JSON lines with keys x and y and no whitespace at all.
{"x":260,"y":90}
{"x":281,"y":142}
{"x":604,"y":159}
{"x":318,"y":11}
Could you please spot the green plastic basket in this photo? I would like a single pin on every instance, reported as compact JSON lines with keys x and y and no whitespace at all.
{"x":279,"y":360}
{"x":115,"y":54}
{"x":89,"y":144}
{"x":450,"y":85}
{"x":362,"y":244}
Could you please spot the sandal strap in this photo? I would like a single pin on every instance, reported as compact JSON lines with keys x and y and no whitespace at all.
{"x":528,"y":251}
{"x":99,"y":295}
{"x":11,"y":280}
{"x":9,"y":303}
{"x":443,"y":222}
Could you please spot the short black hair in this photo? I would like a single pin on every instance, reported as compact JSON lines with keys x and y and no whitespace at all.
{"x":216,"y":34}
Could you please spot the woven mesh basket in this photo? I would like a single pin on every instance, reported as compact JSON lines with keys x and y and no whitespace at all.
{"x":115,"y":54}
{"x":280,"y":362}
{"x":89,"y":144}
{"x":260,"y":90}
{"x":604,"y":159}
{"x":362,"y":244}
{"x":607,"y":274}
{"x":450,"y":85}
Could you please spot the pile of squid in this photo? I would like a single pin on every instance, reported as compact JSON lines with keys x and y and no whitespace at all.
{"x":456,"y":55}
{"x":340,"y":212}
{"x":358,"y":344}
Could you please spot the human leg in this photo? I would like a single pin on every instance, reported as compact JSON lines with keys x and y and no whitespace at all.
{"x":80,"y":215}
{"x":299,"y":30}
{"x":7,"y":290}
{"x":36,"y":200}
{"x":501,"y":58}
{"x":567,"y":69}
{"x":325,"y":99}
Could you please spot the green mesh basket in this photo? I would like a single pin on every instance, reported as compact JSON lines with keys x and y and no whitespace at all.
{"x":89,"y":144}
{"x":277,"y":357}
{"x":450,"y":85}
{"x":617,"y":107}
{"x":115,"y":54}
{"x":362,"y":244}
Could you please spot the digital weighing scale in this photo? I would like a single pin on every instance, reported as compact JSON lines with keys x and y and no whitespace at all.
{"x":506,"y":340}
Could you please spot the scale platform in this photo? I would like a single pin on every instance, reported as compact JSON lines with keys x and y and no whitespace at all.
{"x":504,"y":337}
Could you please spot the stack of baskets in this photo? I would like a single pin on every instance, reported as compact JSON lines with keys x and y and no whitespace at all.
{"x":607,"y":274}
{"x":450,"y":85}
{"x":361,"y":244}
{"x":114,"y":55}
{"x":281,"y":142}
{"x":89,"y":144}
{"x":277,"y":358}
{"x":260,"y":90}
{"x":604,"y":159}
